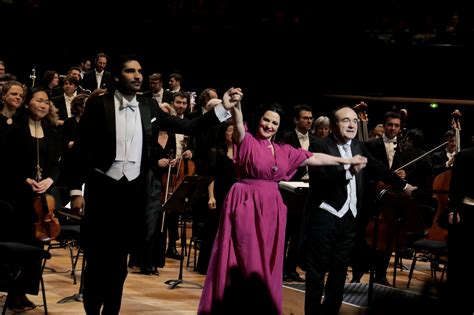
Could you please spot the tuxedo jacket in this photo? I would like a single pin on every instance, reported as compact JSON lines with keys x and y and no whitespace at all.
{"x":291,"y":138}
{"x":22,"y":156}
{"x":438,"y":160}
{"x":328,"y":183}
{"x":461,"y":184}
{"x":95,"y":147}
{"x":89,"y":81}
{"x":377,"y":149}
{"x":167,"y":95}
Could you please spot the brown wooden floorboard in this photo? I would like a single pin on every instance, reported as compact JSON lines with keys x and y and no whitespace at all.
{"x":150,"y":295}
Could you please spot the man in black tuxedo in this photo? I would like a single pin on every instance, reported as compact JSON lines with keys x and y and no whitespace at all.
{"x":386,"y":150}
{"x":334,"y":202}
{"x":461,"y":201}
{"x":115,"y":156}
{"x":300,"y":137}
{"x":98,"y":78}
{"x":443,"y":160}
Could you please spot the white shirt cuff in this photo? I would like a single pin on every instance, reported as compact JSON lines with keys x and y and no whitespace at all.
{"x":222,"y":113}
{"x":75,"y":192}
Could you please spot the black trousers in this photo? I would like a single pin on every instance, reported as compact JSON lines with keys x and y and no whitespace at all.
{"x":112,"y":225}
{"x":328,"y":249}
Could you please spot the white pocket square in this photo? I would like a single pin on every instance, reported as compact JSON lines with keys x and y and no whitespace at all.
{"x":153,"y":119}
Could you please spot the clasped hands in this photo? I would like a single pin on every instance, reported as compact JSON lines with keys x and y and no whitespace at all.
{"x":357,"y":162}
{"x":41,"y":186}
{"x":232,"y":97}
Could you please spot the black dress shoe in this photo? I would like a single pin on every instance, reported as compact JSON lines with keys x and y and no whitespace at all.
{"x":173,"y":253}
{"x":296,"y":277}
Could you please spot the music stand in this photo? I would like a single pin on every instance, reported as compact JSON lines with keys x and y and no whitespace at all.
{"x":77,"y":296}
{"x":184,"y":197}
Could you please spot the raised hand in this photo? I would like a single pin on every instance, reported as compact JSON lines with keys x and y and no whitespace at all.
{"x":232,"y":97}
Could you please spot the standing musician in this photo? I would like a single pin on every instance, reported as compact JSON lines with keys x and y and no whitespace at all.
{"x":461,"y":220}
{"x":180,"y":103}
{"x":444,"y":160}
{"x":386,"y":150}
{"x":34,"y":149}
{"x":115,"y":155}
{"x":300,"y":137}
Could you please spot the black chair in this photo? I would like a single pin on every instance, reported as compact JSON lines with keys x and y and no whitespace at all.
{"x":13,"y":256}
{"x":432,"y":247}
{"x":69,"y":238}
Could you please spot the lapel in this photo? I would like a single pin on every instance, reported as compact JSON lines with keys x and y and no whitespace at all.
{"x":145,"y":116}
{"x":109,"y":108}
{"x":356,"y":149}
{"x":333,"y":150}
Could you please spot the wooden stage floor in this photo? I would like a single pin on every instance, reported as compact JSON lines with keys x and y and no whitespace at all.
{"x":150,"y":295}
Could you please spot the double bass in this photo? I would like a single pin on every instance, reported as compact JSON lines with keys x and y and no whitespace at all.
{"x":363,"y":129}
{"x":441,"y":183}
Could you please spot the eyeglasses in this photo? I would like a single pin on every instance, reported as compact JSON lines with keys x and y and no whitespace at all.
{"x":348,"y":121}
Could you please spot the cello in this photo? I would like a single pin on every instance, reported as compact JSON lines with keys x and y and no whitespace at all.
{"x":441,"y":183}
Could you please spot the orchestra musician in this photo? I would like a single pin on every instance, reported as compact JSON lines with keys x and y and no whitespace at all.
{"x":461,"y":220}
{"x":444,"y":159}
{"x":300,"y":137}
{"x":386,"y":150}
{"x":115,"y":153}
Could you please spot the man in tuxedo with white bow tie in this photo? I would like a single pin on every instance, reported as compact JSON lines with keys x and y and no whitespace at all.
{"x":332,"y":211}
{"x":115,"y":156}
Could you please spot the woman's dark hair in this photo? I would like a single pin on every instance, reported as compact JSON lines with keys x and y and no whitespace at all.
{"x":257,"y":115}
{"x":221,"y":145}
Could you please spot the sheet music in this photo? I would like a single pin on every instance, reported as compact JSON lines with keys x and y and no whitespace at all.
{"x":293,"y":186}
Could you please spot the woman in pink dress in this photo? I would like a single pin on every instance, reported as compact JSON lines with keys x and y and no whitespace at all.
{"x":245,"y":270}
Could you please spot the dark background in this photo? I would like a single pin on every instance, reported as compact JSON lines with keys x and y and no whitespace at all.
{"x":287,"y":51}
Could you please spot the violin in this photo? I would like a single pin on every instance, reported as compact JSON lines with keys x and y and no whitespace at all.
{"x":47,"y":226}
{"x":173,"y":178}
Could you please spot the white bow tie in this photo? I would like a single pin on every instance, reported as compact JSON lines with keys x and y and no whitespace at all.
{"x":128,"y":105}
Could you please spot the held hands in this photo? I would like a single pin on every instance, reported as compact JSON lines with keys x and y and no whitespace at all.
{"x":232,"y":98}
{"x":357,"y":162}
